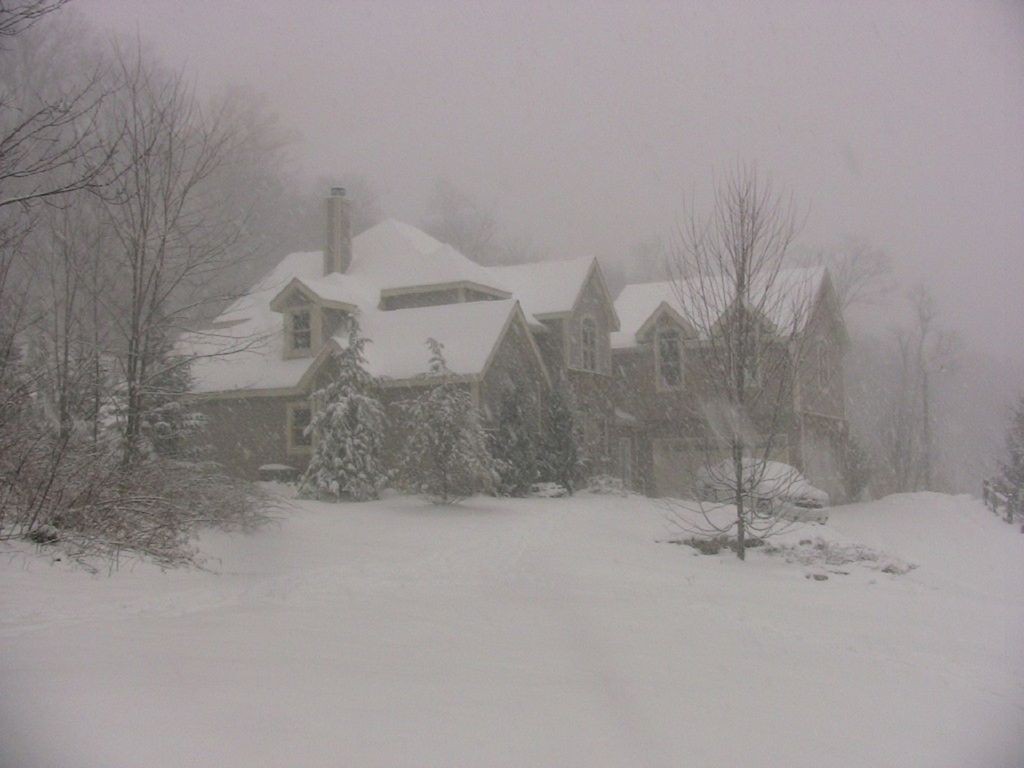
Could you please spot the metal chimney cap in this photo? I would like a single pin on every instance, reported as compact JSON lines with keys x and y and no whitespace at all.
{"x":337,"y":191}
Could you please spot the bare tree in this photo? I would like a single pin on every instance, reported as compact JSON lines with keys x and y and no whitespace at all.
{"x":921,"y":350}
{"x":115,"y":219}
{"x":745,"y":315}
{"x":53,"y":85}
{"x":18,"y":15}
{"x":50,"y":100}
{"x":171,"y":234}
{"x":51,"y":91}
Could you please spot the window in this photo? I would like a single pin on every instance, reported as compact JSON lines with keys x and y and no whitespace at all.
{"x":299,"y":416}
{"x":302,"y":334}
{"x":588,"y":338}
{"x":626,"y":461}
{"x":759,"y":347}
{"x":822,"y":361}
{"x":669,"y":359}
{"x":753,"y":372}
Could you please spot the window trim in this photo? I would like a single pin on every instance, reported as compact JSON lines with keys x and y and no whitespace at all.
{"x":290,"y":445}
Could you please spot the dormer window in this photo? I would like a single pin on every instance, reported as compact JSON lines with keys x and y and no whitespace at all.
{"x":588,"y":344}
{"x":302,"y":330}
{"x":669,"y":359}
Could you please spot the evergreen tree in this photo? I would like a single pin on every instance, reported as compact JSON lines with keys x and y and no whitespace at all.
{"x":513,"y":445}
{"x":446,"y":455}
{"x":560,"y":460}
{"x":170,"y":426}
{"x":1011,"y":471}
{"x":347,"y":426}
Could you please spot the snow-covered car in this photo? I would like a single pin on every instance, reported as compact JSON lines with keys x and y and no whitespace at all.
{"x":772,"y":485}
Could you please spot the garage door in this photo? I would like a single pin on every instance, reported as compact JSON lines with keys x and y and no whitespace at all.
{"x":675,"y":466}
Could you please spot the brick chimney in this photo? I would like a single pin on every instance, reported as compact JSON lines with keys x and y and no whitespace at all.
{"x":338,"y":244}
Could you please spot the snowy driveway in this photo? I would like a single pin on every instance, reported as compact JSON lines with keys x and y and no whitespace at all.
{"x":522,"y":633}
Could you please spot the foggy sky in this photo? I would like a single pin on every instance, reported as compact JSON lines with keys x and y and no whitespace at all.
{"x":589,"y":125}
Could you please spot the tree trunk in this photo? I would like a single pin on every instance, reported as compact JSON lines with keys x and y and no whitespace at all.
{"x":741,"y":532}
{"x":926,"y":431}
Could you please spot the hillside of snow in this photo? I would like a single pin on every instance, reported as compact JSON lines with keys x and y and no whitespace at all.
{"x":560,"y":632}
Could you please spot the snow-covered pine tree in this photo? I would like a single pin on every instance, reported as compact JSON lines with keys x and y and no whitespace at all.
{"x":514,"y":445}
{"x":446,"y":454}
{"x":560,"y":456}
{"x":1011,"y":471}
{"x":170,"y":425}
{"x":347,"y":426}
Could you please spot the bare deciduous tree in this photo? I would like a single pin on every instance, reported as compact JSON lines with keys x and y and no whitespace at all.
{"x":18,"y":15}
{"x":745,"y":314}
{"x":922,"y":350}
{"x":170,"y":234}
{"x":117,"y":222}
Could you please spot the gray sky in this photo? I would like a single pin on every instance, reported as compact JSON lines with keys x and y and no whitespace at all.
{"x":588,"y":125}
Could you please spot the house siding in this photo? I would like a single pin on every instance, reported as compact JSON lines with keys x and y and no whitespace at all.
{"x":515,"y":366}
{"x":820,"y":401}
{"x":245,"y":433}
{"x":593,"y":391}
{"x":591,"y":304}
{"x":671,"y":444}
{"x":551,"y":342}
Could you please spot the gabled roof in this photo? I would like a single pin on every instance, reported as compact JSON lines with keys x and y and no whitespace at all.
{"x":470,"y":334}
{"x":664,"y":310}
{"x":546,"y":287}
{"x":549,"y":289}
{"x":792,"y":292}
{"x":636,"y":303}
{"x":397,"y":350}
{"x":387,"y":259}
{"x":325,"y":290}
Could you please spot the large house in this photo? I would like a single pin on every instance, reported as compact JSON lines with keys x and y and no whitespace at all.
{"x":659,"y":362}
{"x":525,"y":326}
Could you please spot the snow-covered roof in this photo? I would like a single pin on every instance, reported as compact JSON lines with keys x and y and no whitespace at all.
{"x":792,"y":290}
{"x":394,"y":255}
{"x":469,"y":333}
{"x":247,"y":356}
{"x":387,"y":258}
{"x":256,"y":301}
{"x":546,"y":287}
{"x":635,"y":304}
{"x":397,"y":348}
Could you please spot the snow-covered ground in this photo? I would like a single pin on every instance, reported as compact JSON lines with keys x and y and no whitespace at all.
{"x":524,"y":633}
